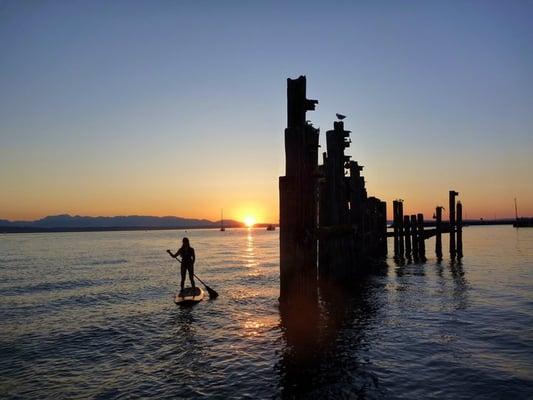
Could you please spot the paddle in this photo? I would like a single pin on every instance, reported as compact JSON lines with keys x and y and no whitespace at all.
{"x":212,"y":292}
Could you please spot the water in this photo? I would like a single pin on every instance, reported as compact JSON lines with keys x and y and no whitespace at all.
{"x":90,"y":315}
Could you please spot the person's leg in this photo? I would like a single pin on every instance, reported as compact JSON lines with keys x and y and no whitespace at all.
{"x":183,"y":274}
{"x":191,"y":275}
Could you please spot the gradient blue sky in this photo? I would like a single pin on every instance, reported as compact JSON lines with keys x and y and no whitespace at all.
{"x":178,"y":108}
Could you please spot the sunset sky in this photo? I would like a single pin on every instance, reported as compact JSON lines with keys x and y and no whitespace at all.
{"x":178,"y":107}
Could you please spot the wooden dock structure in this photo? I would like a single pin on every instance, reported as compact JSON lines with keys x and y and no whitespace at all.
{"x":413,"y":233}
{"x":330,"y":228}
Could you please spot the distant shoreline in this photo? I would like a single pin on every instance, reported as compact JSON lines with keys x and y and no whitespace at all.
{"x":28,"y":229}
{"x":23,"y":229}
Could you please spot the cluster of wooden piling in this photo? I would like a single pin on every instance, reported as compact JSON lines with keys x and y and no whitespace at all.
{"x":329,"y":226}
{"x":323,"y":207}
{"x":352,"y":226}
{"x":410,"y":234}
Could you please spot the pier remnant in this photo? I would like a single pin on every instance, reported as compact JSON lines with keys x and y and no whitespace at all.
{"x":407,"y":231}
{"x":352,"y":225}
{"x":438,"y":232}
{"x":298,"y":199}
{"x":421,"y":238}
{"x":330,"y":228}
{"x":451,"y":211}
{"x":413,"y":233}
{"x":459,"y":230}
{"x":325,"y":207}
{"x":400,"y":229}
{"x":396,"y":227}
{"x":414,"y":237}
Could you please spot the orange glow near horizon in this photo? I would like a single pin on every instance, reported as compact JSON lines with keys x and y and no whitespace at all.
{"x":249,"y":221}
{"x":264,"y":210}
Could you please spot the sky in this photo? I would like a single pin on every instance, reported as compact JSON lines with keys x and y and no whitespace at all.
{"x":179,"y":107}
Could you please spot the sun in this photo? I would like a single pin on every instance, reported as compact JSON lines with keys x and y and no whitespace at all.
{"x":249,"y":221}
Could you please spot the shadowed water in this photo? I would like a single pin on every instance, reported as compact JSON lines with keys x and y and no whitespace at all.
{"x":90,"y":315}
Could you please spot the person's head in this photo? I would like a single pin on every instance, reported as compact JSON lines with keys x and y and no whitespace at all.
{"x":185,"y":242}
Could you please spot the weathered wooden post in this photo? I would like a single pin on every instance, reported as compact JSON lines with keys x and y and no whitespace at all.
{"x":395,"y":226}
{"x":383,"y":228}
{"x":414,"y":237}
{"x":459,"y":230}
{"x":407,"y":232}
{"x":438,"y":232}
{"x":298,"y":199}
{"x":358,"y":195}
{"x":400,"y":229}
{"x":452,"y":222}
{"x":421,"y":238}
{"x":335,"y":215}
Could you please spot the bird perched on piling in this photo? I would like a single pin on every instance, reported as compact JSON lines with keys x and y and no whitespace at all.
{"x":340,"y":116}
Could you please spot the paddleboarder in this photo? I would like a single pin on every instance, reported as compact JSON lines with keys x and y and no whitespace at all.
{"x":187,"y":262}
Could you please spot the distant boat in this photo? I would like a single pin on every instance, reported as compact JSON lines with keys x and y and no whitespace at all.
{"x":523,"y":223}
{"x":222,"y":229}
{"x":271,"y":227}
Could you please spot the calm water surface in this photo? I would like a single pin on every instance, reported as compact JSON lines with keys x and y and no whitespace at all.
{"x":90,"y":315}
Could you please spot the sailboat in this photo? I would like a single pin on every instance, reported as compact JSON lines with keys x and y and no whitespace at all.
{"x":222,"y":229}
{"x":521,"y":222}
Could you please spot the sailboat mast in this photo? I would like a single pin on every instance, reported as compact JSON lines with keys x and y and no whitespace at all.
{"x":515,"y":209}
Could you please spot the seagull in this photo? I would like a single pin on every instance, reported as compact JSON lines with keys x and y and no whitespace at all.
{"x":340,"y":116}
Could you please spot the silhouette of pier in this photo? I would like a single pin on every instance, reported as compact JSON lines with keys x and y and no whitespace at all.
{"x":330,"y":228}
{"x":410,"y":232}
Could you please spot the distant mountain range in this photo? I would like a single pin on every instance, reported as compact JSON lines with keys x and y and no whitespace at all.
{"x":65,"y":222}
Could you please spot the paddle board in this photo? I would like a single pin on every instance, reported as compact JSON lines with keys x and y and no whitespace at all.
{"x":189,"y":296}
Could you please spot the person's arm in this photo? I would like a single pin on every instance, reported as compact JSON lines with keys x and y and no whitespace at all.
{"x":193,"y":256}
{"x":174,"y":255}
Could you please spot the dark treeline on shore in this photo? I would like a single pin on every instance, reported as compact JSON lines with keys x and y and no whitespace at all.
{"x":68,"y":223}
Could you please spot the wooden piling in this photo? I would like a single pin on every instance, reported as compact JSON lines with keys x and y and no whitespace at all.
{"x":395,"y":226}
{"x":414,"y":237}
{"x":407,"y":233}
{"x":400,"y":229}
{"x":421,"y":238}
{"x":383,"y":228}
{"x":459,"y":230}
{"x":298,"y":199}
{"x":438,"y":232}
{"x":451,"y":211}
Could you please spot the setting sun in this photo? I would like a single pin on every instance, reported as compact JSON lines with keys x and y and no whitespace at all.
{"x":249,"y":221}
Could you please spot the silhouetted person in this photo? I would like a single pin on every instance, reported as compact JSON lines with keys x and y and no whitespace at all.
{"x":187,"y":261}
